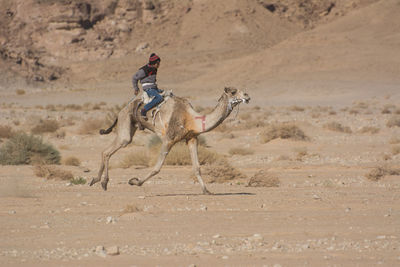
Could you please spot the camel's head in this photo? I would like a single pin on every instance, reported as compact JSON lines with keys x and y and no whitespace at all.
{"x":236,"y":96}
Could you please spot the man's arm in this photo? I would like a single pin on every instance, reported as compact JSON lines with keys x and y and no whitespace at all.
{"x":135,"y":79}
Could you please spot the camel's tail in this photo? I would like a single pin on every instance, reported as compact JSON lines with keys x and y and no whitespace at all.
{"x":109,"y":130}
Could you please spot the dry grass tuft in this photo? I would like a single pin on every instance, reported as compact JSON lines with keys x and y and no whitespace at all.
{"x":179,"y":155}
{"x":220,"y":171}
{"x":284,"y":131}
{"x":136,"y":158}
{"x":393,"y":122}
{"x":130,"y":209}
{"x":45,"y":126}
{"x":52,"y":172}
{"x":26,"y":149}
{"x":337,"y":127}
{"x":72,"y":161}
{"x":263,"y":179}
{"x":378,"y":173}
{"x":395,"y":150}
{"x":91,"y":126}
{"x":394,"y":140}
{"x":369,"y":129}
{"x":241,"y":151}
{"x":6,"y":131}
{"x":20,"y":92}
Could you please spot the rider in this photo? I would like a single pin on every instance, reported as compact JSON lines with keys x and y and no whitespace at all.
{"x":147,"y":77}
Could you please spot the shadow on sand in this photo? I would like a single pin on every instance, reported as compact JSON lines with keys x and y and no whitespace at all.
{"x":200,"y":194}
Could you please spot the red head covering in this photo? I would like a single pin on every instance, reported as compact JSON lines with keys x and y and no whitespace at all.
{"x":154,"y":59}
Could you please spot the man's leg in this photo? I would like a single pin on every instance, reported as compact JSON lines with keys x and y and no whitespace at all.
{"x":156,"y":100}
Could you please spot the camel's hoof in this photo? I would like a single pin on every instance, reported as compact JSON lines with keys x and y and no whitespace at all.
{"x":93,"y":182}
{"x":206,"y":192}
{"x":135,"y":181}
{"x":104,"y":185}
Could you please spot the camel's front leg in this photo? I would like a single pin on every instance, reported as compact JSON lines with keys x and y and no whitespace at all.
{"x":165,"y":148}
{"x":196,"y":165}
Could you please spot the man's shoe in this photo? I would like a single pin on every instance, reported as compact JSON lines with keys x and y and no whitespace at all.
{"x":143,"y":114}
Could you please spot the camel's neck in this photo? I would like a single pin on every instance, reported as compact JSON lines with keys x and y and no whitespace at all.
{"x":208,"y":122}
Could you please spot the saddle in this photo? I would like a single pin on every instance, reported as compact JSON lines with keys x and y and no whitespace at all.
{"x":145,"y":99}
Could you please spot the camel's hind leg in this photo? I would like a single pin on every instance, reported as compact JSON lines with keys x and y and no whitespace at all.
{"x":165,"y":148}
{"x":124,"y":136}
{"x":196,"y":165}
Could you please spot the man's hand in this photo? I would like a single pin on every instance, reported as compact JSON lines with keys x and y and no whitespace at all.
{"x":136,"y":92}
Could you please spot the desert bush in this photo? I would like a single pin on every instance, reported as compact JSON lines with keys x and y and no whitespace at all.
{"x":5,"y":131}
{"x":154,"y":141}
{"x":369,"y":129}
{"x":296,"y":108}
{"x":378,"y":173}
{"x":388,"y":109}
{"x":52,"y":172}
{"x":27,"y":149}
{"x":263,"y":179}
{"x":284,"y":131}
{"x":78,"y":180}
{"x":73,"y":107}
{"x":20,"y":92}
{"x":393,"y":122}
{"x":90,"y":126}
{"x":240,"y":151}
{"x":72,"y":161}
{"x":179,"y":155}
{"x":220,"y":171}
{"x":394,"y":140}
{"x":337,"y":127}
{"x":395,"y":150}
{"x":136,"y":158}
{"x":45,"y":126}
{"x":130,"y":209}
{"x":301,"y":152}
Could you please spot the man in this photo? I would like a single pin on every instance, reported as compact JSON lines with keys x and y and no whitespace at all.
{"x":147,"y":75}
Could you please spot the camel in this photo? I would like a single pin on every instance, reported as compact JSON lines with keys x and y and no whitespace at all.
{"x":174,"y":121}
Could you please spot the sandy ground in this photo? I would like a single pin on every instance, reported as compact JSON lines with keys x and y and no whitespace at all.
{"x":324,"y":213}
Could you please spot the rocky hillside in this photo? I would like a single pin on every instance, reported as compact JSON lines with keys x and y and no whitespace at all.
{"x":43,"y":40}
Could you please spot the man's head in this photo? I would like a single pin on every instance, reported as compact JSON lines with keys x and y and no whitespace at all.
{"x":154,"y":60}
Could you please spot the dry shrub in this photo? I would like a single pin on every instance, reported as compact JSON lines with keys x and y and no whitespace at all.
{"x":52,"y":172}
{"x":354,"y":111}
{"x":296,"y":108}
{"x":395,"y":150}
{"x":263,"y":179}
{"x":130,"y":209}
{"x":136,"y":158}
{"x":51,"y":107}
{"x":73,"y":107}
{"x":378,"y":173}
{"x":179,"y":155}
{"x":394,"y":140}
{"x":240,"y":151}
{"x":284,"y":131}
{"x":20,"y":92}
{"x":78,"y":180}
{"x":301,"y":152}
{"x":27,"y":149}
{"x":220,"y":171}
{"x":45,"y":126}
{"x":72,"y":161}
{"x":369,"y":129}
{"x":337,"y":127}
{"x":393,"y":122}
{"x":6,"y":131}
{"x":388,"y":109}
{"x":361,"y":105}
{"x":91,"y":126}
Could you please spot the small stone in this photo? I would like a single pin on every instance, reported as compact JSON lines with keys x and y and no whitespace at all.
{"x":381,"y":237}
{"x":192,"y":265}
{"x":316,"y":196}
{"x":348,"y":209}
{"x":217,"y":236}
{"x":113,"y":251}
{"x":203,"y":208}
{"x":12,"y":212}
{"x":225,"y":257}
{"x":100,"y":251}
{"x":110,"y":219}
